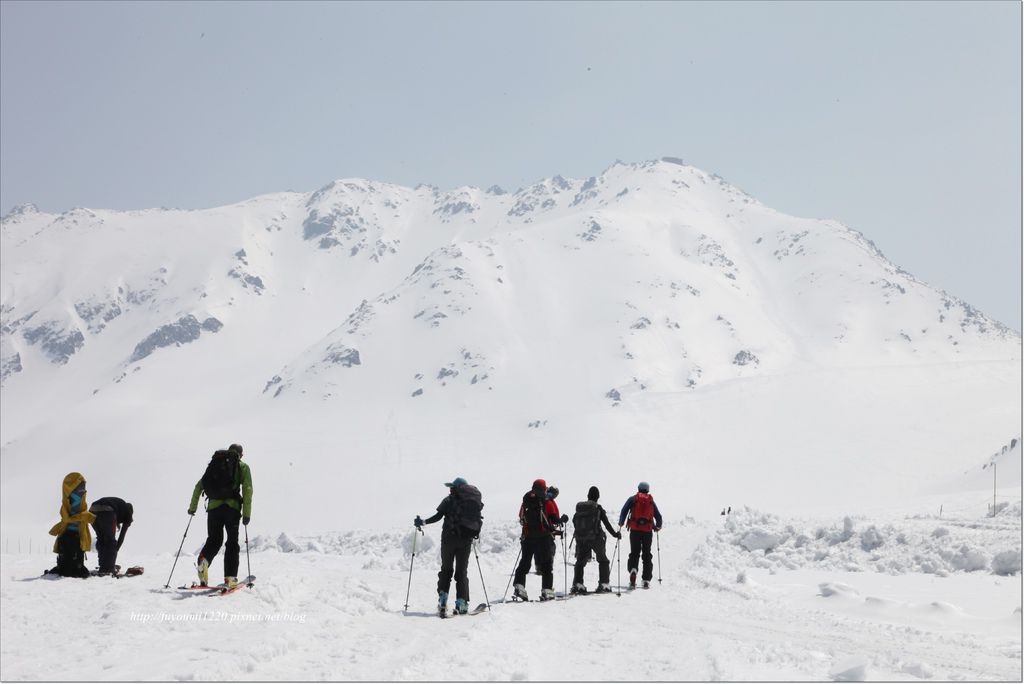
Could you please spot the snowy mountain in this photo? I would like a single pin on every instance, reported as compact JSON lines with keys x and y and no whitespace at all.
{"x":367,"y":343}
{"x":650,"y":322}
{"x":1001,"y":469}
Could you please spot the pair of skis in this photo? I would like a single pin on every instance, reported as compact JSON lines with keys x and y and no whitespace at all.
{"x":443,"y":612}
{"x":133,"y":571}
{"x":219,"y":589}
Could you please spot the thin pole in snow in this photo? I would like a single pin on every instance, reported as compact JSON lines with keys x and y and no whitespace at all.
{"x":412,"y":560}
{"x":993,"y":490}
{"x":512,"y":574}
{"x":180,"y":546}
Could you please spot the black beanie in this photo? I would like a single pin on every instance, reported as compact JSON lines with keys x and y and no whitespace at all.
{"x":237,"y":448}
{"x":593,"y":494}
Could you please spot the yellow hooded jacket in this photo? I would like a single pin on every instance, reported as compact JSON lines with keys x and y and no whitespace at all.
{"x":83,"y":518}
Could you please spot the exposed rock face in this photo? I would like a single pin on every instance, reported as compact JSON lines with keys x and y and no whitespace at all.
{"x":183,"y":331}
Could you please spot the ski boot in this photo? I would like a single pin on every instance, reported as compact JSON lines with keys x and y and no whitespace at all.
{"x":519,"y":593}
{"x":603,"y":588}
{"x":579,"y":588}
{"x":646,"y":584}
{"x":547,"y":595}
{"x":203,"y":567}
{"x":442,"y":603}
{"x":632,"y":578}
{"x":230,"y":582}
{"x":461,"y":606}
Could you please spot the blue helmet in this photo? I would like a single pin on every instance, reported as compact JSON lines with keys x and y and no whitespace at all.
{"x":643,"y":487}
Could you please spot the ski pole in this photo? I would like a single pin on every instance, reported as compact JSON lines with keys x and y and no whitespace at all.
{"x":618,"y":554}
{"x":248,"y":560}
{"x":482,"y":584}
{"x":565,"y":570}
{"x":511,"y":574}
{"x":180,"y":546}
{"x":411,"y":561}
{"x":657,"y":537}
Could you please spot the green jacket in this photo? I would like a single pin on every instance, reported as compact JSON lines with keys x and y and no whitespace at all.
{"x":245,"y":478}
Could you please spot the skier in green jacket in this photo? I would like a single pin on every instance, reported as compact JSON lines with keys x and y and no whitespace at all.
{"x":227,"y":484}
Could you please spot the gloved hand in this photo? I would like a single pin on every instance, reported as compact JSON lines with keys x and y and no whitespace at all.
{"x":191,"y":511}
{"x":565,"y":518}
{"x":657,"y":529}
{"x":245,"y":520}
{"x":418,"y":522}
{"x":617,"y":535}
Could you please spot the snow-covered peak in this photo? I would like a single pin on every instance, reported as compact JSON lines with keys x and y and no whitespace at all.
{"x":650,"y":296}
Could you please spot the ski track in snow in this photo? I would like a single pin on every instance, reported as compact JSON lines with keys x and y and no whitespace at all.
{"x":338,"y":615}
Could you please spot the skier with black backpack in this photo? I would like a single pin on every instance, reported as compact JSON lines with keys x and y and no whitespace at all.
{"x":644,"y":521}
{"x":589,"y":536}
{"x":227,"y":484}
{"x":461,"y":511}
{"x":539,"y":517}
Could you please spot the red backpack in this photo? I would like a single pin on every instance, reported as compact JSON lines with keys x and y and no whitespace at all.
{"x":641,"y":516}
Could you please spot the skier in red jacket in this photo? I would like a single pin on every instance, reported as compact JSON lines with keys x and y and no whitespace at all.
{"x":541,"y":523}
{"x":644,"y":521}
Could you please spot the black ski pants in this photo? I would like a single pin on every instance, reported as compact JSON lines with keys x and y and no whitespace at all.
{"x":640,"y":546}
{"x":105,"y":526}
{"x":543,"y":549}
{"x":604,"y":566}
{"x":455,"y":559}
{"x":219,"y":520}
{"x":70,"y":557}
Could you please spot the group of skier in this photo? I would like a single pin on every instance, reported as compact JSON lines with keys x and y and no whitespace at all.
{"x":542,"y":523}
{"x":227,"y":484}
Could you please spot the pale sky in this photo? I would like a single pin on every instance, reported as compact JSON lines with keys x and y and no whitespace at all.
{"x":902,"y":120}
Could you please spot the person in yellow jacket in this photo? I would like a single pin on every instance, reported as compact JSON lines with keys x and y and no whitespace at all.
{"x":72,"y":532}
{"x":227,"y":484}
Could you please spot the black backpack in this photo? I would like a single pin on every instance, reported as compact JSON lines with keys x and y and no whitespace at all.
{"x":587,"y":520}
{"x":533,"y":519}
{"x":466,"y":507}
{"x":221,"y":479}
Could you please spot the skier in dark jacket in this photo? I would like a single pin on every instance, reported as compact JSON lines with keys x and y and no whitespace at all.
{"x":589,"y":536}
{"x":110,"y":513}
{"x":539,"y":517}
{"x":644,"y":521}
{"x":224,"y":510}
{"x":457,"y":534}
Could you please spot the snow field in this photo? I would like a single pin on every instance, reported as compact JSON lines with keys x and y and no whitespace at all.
{"x":331,"y":607}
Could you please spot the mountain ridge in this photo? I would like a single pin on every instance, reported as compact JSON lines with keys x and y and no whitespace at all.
{"x":371,"y":220}
{"x":650,"y":322}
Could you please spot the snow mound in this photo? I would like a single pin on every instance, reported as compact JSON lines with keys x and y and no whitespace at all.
{"x":495,"y":539}
{"x":854,"y":669}
{"x":836,"y":589}
{"x":1007,"y":563}
{"x":749,"y":538}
